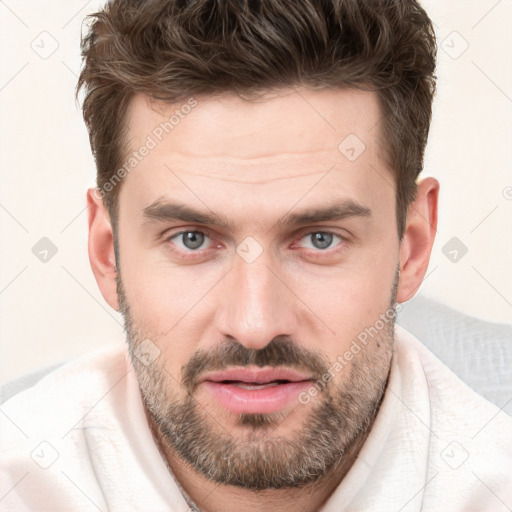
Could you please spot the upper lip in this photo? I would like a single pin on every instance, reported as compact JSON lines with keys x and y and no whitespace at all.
{"x":256,"y":375}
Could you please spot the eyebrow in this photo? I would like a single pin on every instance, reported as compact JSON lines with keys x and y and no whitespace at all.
{"x":168,"y":211}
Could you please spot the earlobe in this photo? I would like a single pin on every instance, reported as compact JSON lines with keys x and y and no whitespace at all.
{"x":101,"y":247}
{"x":418,"y":239}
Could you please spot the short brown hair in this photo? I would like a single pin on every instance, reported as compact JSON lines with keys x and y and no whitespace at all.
{"x":174,"y":49}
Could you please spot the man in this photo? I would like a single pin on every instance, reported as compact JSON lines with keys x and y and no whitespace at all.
{"x":257,"y":220}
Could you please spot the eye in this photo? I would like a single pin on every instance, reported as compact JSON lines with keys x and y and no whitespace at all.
{"x":193,"y":243}
{"x":190,"y":240}
{"x":322,"y":239}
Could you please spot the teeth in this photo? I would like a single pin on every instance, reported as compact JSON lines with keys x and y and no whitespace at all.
{"x":245,"y":385}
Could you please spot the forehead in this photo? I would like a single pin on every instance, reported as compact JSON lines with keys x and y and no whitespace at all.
{"x":287,"y":121}
{"x":224,"y":148}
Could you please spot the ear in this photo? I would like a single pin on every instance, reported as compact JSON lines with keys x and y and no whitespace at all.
{"x":101,"y":247}
{"x":418,"y":239}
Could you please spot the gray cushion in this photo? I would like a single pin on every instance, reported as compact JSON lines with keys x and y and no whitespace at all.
{"x":13,"y":387}
{"x":478,"y":352}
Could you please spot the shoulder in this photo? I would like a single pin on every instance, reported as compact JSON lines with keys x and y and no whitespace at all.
{"x":470,"y":449}
{"x":71,"y":386}
{"x":44,"y":446}
{"x":450,"y":398}
{"x":64,"y":396}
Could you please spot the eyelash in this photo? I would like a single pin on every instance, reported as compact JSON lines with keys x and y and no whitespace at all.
{"x":204,"y":231}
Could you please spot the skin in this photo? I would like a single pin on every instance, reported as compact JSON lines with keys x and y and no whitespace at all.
{"x":255,"y":162}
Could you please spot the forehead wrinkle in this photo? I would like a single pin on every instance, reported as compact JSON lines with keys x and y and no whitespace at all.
{"x":254,"y":169}
{"x":232,"y":179}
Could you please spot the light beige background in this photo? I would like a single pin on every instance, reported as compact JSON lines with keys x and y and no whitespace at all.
{"x":54,"y":311}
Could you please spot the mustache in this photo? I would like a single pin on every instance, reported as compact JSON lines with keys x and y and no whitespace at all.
{"x":281,"y":351}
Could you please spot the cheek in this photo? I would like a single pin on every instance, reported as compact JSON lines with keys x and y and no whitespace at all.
{"x":157,"y":291}
{"x":168,"y":306}
{"x":348,"y":300}
{"x":151,"y":298}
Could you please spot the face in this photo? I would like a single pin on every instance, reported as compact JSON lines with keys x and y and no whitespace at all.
{"x":295,"y":265}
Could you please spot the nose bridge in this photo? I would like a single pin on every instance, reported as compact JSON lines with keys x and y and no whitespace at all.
{"x":257,"y":305}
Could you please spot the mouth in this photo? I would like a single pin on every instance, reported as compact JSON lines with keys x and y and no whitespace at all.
{"x":254,"y":385}
{"x":252,"y":375}
{"x":256,"y":390}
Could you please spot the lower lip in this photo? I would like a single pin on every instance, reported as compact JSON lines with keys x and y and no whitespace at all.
{"x":265,"y":400}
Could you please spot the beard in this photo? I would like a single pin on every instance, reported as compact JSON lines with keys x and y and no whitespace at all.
{"x":256,"y":457}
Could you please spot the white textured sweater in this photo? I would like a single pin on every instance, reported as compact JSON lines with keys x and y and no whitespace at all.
{"x":79,"y":441}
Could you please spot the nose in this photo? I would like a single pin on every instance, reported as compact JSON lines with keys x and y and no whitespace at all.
{"x":257,"y":305}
